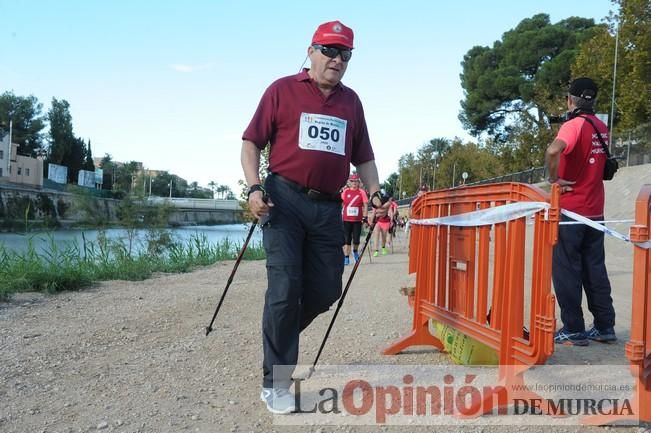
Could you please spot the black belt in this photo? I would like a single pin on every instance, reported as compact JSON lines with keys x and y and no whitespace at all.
{"x":312,"y":194}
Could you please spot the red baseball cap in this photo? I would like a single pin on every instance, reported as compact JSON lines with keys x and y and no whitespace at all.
{"x":353,"y":177}
{"x":333,"y":33}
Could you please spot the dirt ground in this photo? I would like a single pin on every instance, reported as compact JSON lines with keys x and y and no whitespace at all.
{"x":133,"y":356}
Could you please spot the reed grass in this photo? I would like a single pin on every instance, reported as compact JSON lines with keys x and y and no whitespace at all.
{"x":57,"y":268}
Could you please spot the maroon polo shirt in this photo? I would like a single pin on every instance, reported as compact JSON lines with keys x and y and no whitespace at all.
{"x":313,"y":138}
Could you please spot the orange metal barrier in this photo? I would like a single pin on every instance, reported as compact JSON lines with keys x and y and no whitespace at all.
{"x":453,"y":267}
{"x":638,"y":348}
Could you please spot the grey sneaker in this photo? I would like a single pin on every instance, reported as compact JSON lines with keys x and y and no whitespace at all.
{"x":278,"y":400}
{"x":571,"y":338}
{"x":602,"y":336}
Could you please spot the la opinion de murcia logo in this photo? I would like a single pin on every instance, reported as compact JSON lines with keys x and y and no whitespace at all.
{"x":336,"y":28}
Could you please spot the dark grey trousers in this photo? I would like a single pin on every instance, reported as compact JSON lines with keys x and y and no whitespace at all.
{"x":302,"y":239}
{"x":579,"y":264}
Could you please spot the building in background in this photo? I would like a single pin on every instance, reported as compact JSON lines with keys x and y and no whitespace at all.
{"x":16,"y":168}
{"x":25,"y":170}
{"x":5,"y":152}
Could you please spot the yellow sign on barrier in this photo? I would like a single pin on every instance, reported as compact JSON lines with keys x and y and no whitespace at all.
{"x":464,"y":350}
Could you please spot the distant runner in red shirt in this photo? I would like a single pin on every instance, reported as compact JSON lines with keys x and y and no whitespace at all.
{"x":382,"y":218}
{"x":354,"y":212}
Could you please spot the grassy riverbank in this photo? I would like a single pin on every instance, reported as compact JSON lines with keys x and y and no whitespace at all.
{"x":56,"y":268}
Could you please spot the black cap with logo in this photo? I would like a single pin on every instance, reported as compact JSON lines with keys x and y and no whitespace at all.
{"x":584,"y":88}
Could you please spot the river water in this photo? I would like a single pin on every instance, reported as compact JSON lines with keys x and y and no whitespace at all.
{"x":236,"y":233}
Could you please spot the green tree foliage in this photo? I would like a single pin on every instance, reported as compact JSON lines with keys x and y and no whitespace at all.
{"x":88,"y":163}
{"x":522,"y":76}
{"x":461,"y":157}
{"x":439,"y":160}
{"x":74,"y":159}
{"x":132,"y":179}
{"x":61,"y":135}
{"x":213,"y":186}
{"x":196,"y":191}
{"x":523,"y":149}
{"x":429,"y":156}
{"x":108,"y":167}
{"x":26,"y":113}
{"x":633,"y":84}
{"x":121,"y":177}
{"x":390,"y":185}
{"x":408,"y":175}
{"x":162,"y":183}
{"x":420,"y":169}
{"x":65,"y":149}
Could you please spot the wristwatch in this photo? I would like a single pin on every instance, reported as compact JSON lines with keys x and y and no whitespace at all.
{"x":253,"y":188}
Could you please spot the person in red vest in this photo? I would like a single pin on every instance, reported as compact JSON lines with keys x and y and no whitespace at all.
{"x":354,"y":212}
{"x":576,"y":160}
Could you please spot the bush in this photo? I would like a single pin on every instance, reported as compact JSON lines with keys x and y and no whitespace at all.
{"x":56,"y":269}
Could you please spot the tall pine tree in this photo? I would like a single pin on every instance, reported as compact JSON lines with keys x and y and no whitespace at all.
{"x":89,"y":164}
{"x":27,"y":119}
{"x":65,"y":149}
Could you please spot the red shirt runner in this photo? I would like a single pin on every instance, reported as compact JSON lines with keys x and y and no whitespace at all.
{"x":354,"y":202}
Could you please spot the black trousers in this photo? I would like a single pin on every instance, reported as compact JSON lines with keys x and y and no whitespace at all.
{"x":352,"y":232}
{"x":302,"y":239}
{"x":579,"y":264}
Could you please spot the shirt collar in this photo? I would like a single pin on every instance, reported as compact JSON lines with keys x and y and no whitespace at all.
{"x":304,"y":76}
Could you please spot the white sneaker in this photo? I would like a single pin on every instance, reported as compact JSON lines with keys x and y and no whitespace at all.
{"x":278,"y":400}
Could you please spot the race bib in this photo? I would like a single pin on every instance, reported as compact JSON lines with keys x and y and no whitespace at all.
{"x":322,"y":133}
{"x":352,"y":211}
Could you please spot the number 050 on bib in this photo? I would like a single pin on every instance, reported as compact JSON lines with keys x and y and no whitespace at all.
{"x":322,"y":133}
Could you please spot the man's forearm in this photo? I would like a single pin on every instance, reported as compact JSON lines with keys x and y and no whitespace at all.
{"x":552,"y":168}
{"x":368,"y":172}
{"x":250,"y":159}
{"x":552,"y":156}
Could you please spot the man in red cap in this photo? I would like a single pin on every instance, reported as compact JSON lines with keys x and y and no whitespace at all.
{"x":575,"y":160}
{"x":354,"y":212}
{"x":315,"y":128}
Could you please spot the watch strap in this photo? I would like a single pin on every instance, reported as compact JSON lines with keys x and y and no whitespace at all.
{"x":253,"y":188}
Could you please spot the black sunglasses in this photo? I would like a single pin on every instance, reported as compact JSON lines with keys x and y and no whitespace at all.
{"x":333,"y":52}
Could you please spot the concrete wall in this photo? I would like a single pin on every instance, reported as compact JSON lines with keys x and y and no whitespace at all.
{"x":57,"y":208}
{"x":197,"y":203}
{"x":182,"y":217}
{"x":53,"y":207}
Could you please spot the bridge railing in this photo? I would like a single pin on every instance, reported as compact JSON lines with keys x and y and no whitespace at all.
{"x":196,"y":203}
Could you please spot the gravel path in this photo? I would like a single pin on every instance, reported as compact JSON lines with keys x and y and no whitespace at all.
{"x":133,"y":357}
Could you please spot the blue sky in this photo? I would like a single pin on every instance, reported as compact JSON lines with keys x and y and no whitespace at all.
{"x":174,"y":83}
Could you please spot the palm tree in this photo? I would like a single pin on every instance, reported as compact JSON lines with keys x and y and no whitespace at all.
{"x":220,"y":190}
{"x":227,"y":192}
{"x":212,"y":185}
